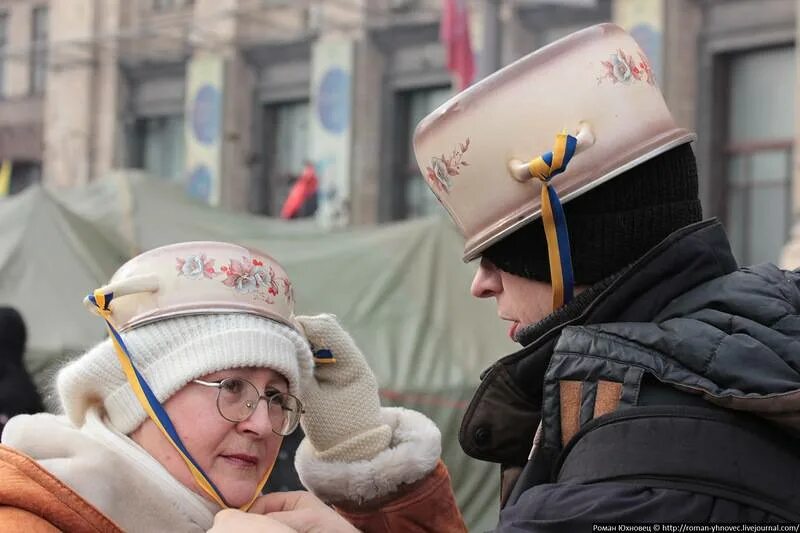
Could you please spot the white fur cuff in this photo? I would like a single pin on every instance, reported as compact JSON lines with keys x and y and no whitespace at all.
{"x":412,"y":454}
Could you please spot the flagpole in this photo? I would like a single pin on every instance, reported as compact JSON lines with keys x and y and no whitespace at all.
{"x":491,"y":54}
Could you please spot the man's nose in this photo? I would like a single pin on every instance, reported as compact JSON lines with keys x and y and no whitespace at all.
{"x":486,"y":282}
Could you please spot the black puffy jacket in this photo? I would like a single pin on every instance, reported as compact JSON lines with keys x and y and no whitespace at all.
{"x":667,"y":393}
{"x":17,"y":392}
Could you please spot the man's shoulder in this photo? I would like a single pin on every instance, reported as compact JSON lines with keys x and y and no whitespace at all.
{"x":575,"y":507}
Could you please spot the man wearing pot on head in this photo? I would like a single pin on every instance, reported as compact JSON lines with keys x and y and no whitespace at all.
{"x":657,"y":380}
{"x":661,"y":381}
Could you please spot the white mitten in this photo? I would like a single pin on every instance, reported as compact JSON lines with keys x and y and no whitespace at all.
{"x":343,"y":410}
{"x":354,"y":450}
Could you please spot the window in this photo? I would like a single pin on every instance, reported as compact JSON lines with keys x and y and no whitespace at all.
{"x":167,"y":5}
{"x":3,"y":43}
{"x":23,"y":174}
{"x":759,"y":153}
{"x":161,"y":147}
{"x":286,"y":150}
{"x":38,"y":61}
{"x":416,"y":199}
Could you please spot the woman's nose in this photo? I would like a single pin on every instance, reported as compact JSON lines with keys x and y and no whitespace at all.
{"x":259,"y":421}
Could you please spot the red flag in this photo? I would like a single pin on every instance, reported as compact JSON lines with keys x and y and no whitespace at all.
{"x":302,"y":190}
{"x":454,"y":34}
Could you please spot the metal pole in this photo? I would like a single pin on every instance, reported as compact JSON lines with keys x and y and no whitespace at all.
{"x":491,"y":54}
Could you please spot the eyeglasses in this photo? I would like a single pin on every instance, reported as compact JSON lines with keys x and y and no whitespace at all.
{"x":237,"y":399}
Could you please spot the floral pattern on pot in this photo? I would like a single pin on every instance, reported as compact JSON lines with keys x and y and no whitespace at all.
{"x":443,"y":168}
{"x":622,"y":68}
{"x":245,"y":276}
{"x":195,"y":266}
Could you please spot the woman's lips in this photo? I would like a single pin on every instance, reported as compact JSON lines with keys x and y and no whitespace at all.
{"x":241,"y":460}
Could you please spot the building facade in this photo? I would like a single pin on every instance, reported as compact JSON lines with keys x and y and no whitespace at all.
{"x":230,"y":98}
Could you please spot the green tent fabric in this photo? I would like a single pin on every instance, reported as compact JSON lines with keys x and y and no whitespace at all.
{"x":401,"y":290}
{"x":48,"y":258}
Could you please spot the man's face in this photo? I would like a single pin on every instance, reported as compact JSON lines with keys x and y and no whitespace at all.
{"x":520,"y":301}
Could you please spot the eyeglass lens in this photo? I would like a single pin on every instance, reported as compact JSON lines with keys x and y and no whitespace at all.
{"x":238,"y":399}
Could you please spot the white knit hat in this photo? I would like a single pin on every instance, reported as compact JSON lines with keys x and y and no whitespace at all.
{"x":170,"y":353}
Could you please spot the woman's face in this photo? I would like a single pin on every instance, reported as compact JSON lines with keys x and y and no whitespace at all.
{"x":235,"y":456}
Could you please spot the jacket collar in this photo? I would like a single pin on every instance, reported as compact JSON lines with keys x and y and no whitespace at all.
{"x":685,"y":259}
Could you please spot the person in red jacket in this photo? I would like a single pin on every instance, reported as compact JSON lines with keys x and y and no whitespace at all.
{"x":302,"y":193}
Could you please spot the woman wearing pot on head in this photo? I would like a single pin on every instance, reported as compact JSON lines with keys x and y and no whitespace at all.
{"x":164,"y":423}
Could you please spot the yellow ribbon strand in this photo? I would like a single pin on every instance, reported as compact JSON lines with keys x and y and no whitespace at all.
{"x":539,"y":169}
{"x":553,"y":253}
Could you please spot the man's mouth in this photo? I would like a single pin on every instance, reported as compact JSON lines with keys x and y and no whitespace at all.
{"x":512,"y":329}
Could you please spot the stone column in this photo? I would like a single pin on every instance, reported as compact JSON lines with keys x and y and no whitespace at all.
{"x":345,"y":114}
{"x":368,"y":95}
{"x":17,"y":63}
{"x":790,"y":258}
{"x":108,"y":140}
{"x":683,"y":21}
{"x":69,"y":99}
{"x":221,"y":155}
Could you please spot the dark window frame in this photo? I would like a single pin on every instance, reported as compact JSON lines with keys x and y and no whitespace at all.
{"x":400,"y":78}
{"x":749,"y":150}
{"x":40,"y":35}
{"x":272,"y":185}
{"x":166,"y":6}
{"x":403,"y":162}
{"x":138,"y":145}
{"x":273,"y":88}
{"x":726,"y":35}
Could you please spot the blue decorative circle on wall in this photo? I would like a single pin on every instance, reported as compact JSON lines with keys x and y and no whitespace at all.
{"x":199,"y":185}
{"x":206,"y":112}
{"x":333,"y":100}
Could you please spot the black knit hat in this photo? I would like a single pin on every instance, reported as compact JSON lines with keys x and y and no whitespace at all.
{"x":614,"y":224}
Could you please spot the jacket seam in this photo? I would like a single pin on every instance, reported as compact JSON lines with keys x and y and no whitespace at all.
{"x":631,"y":343}
{"x":621,"y":340}
{"x":713,"y":355}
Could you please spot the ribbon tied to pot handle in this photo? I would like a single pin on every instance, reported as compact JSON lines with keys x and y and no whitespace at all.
{"x":544,"y":168}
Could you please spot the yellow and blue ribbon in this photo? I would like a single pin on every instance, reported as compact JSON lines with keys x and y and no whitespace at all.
{"x":545,"y":168}
{"x":324,"y":357}
{"x":156,"y":411}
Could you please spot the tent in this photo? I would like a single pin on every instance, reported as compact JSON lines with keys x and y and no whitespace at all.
{"x":48,"y":258}
{"x":401,"y":290}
